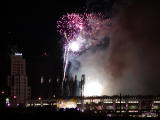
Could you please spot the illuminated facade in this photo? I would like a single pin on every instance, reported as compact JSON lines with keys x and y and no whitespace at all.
{"x":20,"y":92}
{"x":134,"y":106}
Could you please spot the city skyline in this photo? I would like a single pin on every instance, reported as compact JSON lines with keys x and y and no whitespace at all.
{"x":80,"y":59}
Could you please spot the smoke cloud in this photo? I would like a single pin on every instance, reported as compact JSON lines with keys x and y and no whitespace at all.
{"x":134,"y":48}
{"x":128,"y":61}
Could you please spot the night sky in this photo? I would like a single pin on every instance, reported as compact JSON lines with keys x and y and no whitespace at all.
{"x":34,"y":26}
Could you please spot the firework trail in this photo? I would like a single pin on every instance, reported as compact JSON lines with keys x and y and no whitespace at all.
{"x":81,"y":31}
{"x":65,"y":61}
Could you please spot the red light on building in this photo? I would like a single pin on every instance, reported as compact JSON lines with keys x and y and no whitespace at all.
{"x":2,"y":92}
{"x":45,"y":53}
{"x":14,"y":97}
{"x":39,"y":98}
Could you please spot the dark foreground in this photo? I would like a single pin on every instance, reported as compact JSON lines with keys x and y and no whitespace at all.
{"x":53,"y":114}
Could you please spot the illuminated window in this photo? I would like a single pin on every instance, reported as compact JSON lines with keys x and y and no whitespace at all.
{"x":156,"y":101}
{"x":156,"y":107}
{"x":121,"y":102}
{"x":133,"y":102}
{"x":133,"y":107}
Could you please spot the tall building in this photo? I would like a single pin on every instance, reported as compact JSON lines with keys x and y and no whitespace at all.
{"x":20,"y":91}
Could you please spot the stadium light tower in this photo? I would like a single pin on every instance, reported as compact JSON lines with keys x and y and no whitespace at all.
{"x":82,"y":88}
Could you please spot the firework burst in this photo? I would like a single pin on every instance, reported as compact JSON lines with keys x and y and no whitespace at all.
{"x":81,"y":31}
